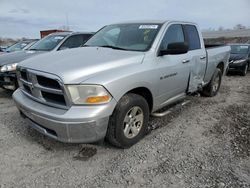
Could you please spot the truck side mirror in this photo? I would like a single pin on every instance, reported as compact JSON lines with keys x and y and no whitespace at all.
{"x":175,"y":48}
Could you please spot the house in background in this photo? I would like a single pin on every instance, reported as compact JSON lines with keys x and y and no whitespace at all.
{"x":47,"y":32}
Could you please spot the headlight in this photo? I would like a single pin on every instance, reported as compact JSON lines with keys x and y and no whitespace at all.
{"x":9,"y":67}
{"x":88,"y":94}
{"x":240,"y":61}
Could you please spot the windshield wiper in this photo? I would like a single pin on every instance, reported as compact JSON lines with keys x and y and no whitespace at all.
{"x":35,"y":49}
{"x":113,"y":47}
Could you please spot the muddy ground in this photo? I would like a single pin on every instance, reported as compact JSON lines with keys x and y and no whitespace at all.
{"x":204,"y":144}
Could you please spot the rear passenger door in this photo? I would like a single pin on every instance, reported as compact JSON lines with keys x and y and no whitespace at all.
{"x":197,"y":55}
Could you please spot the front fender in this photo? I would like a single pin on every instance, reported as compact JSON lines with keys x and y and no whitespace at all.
{"x":120,"y":81}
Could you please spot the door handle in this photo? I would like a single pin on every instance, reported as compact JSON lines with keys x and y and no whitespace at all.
{"x":185,"y":61}
{"x":203,"y":57}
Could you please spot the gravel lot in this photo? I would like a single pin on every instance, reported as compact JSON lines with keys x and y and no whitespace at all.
{"x":204,"y":144}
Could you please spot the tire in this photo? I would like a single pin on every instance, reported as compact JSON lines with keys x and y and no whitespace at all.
{"x":213,"y":87}
{"x":227,"y":70}
{"x":124,"y":130}
{"x":245,"y":69}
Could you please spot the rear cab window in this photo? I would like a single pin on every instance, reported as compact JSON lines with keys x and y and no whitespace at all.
{"x":192,"y":37}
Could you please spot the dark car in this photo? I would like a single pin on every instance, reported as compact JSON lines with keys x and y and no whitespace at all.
{"x":239,"y":58}
{"x":52,"y":42}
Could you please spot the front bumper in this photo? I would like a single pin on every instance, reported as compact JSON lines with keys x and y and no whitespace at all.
{"x":237,"y":66}
{"x":79,"y":124}
{"x":8,"y":80}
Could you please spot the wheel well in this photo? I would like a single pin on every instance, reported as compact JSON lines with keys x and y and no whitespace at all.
{"x":221,"y":67}
{"x":145,"y":93}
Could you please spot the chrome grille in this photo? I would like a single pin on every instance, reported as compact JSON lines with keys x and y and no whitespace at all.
{"x":44,"y":88}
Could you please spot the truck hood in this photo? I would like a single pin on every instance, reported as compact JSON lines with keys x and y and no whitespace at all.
{"x":74,"y":66}
{"x":16,"y":57}
{"x":234,"y":57}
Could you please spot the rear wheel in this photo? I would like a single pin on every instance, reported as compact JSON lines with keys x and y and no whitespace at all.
{"x":213,"y":87}
{"x":129,"y":121}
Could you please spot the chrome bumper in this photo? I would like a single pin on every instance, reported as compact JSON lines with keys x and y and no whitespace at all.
{"x":79,"y":124}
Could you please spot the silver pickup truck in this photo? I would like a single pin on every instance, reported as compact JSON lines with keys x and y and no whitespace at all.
{"x":108,"y":88}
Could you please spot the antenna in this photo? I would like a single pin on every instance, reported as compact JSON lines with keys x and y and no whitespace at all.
{"x":67,"y":22}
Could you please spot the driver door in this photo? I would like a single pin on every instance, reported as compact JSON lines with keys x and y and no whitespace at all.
{"x":173,"y":69}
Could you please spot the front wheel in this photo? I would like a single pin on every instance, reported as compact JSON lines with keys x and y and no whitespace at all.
{"x":245,"y":69}
{"x":213,"y":87}
{"x":129,"y":121}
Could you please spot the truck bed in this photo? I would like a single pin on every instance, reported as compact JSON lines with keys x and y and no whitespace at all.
{"x":215,"y":54}
{"x":213,"y":45}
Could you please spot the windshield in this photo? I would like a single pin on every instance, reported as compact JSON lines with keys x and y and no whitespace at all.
{"x":48,"y":43}
{"x":16,"y":47}
{"x":134,"y":37}
{"x":239,"y":49}
{"x":29,"y":45}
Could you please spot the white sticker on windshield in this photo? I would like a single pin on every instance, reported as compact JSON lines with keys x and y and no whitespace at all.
{"x":244,"y":47}
{"x":148,"y":27}
{"x":58,"y":38}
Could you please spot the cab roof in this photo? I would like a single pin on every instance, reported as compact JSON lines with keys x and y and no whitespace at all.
{"x":152,"y":22}
{"x":66,"y":33}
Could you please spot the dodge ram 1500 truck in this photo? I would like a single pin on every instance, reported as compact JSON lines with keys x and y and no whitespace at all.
{"x":53,"y":42}
{"x":108,"y":88}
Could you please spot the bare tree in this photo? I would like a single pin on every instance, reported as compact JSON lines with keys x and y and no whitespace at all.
{"x":221,"y":28}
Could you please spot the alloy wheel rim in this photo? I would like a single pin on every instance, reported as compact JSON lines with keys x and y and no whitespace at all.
{"x":216,"y":83}
{"x":246,"y":68}
{"x":133,"y":122}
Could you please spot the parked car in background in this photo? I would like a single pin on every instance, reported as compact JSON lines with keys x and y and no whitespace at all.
{"x":239,"y":58}
{"x":52,"y":42}
{"x":124,"y":73}
{"x":2,"y":49}
{"x":20,"y":45}
{"x":30,"y":44}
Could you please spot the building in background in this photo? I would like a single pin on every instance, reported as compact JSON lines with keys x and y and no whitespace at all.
{"x":47,"y":32}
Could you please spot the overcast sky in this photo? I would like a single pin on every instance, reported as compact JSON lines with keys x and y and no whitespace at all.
{"x":25,"y":18}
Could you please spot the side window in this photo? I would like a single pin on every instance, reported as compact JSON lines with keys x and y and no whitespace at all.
{"x":85,"y":37}
{"x":72,"y":42}
{"x":174,"y":34}
{"x":192,"y":37}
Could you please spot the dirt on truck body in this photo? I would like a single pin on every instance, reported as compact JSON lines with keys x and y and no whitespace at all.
{"x":204,"y":144}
